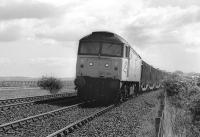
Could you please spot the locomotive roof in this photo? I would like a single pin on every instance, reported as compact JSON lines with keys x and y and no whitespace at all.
{"x":104,"y":36}
{"x":108,"y":37}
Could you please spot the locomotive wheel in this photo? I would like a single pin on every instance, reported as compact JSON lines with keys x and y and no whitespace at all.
{"x":123,"y":94}
{"x":119,"y":98}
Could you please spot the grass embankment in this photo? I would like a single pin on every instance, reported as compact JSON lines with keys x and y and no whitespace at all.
{"x":182,"y":110}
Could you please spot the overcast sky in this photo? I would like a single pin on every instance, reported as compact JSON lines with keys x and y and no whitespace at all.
{"x":40,"y":37}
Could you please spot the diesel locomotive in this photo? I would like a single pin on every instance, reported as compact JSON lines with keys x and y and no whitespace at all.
{"x":108,"y":69}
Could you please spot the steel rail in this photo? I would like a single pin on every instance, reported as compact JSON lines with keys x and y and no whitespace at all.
{"x":12,"y":125}
{"x":36,"y":98}
{"x":30,"y":103}
{"x":79,"y":123}
{"x":17,"y":105}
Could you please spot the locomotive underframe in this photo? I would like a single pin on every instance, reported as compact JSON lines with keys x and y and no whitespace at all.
{"x":100,"y":89}
{"x":105,"y":90}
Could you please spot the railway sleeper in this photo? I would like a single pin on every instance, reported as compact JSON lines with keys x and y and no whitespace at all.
{"x":35,"y":119}
{"x":52,"y":115}
{"x":6,"y":128}
{"x":70,"y":129}
{"x":22,"y":122}
{"x":39,"y":118}
{"x":56,"y":113}
{"x":15,"y":125}
{"x":45,"y":116}
{"x":80,"y":124}
{"x":29,"y":120}
{"x":65,"y":132}
{"x":59,"y":135}
{"x":75,"y":126}
{"x":3,"y":108}
{"x":1,"y":129}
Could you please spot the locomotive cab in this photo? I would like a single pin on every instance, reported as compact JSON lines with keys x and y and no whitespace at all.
{"x":99,"y":59}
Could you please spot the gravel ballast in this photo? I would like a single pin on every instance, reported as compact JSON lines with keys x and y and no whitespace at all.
{"x":20,"y":113}
{"x":45,"y":127}
{"x":134,"y":118}
{"x":14,"y":114}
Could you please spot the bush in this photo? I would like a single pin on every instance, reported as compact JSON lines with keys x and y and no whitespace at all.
{"x":198,"y":82}
{"x":176,"y":88}
{"x":50,"y":83}
{"x":173,"y":87}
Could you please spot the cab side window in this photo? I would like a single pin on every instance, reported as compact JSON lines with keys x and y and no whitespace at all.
{"x":127,"y":51}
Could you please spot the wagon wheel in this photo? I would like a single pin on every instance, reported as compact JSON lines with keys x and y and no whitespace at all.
{"x":136,"y":89}
{"x":125,"y":92}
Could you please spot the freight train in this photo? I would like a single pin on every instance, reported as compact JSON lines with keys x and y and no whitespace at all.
{"x":108,"y":69}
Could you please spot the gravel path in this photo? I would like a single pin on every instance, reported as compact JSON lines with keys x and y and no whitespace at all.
{"x":45,"y":127}
{"x":134,"y":118}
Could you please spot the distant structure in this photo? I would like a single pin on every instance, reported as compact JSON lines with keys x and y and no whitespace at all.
{"x":18,"y":83}
{"x":33,"y":84}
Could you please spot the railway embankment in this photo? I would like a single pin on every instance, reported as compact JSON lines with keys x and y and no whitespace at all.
{"x":182,"y":109}
{"x":175,"y":121}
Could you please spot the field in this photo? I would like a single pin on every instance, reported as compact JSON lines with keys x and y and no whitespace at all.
{"x":18,"y":91}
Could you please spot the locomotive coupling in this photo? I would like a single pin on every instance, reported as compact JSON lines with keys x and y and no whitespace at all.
{"x":79,"y":82}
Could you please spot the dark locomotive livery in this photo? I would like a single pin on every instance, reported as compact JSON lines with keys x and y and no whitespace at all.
{"x":108,"y":69}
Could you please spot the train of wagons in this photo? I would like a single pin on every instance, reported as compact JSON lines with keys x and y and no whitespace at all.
{"x":108,"y":69}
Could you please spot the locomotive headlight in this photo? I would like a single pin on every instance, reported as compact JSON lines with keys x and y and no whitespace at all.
{"x":91,"y":64}
{"x":106,"y":65}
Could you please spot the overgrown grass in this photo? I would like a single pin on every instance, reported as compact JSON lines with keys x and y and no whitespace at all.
{"x":184,"y":99}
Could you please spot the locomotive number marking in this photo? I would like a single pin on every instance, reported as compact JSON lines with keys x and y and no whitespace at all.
{"x":125,"y":67}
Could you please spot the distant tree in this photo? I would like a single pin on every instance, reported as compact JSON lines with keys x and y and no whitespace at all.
{"x":198,"y":81}
{"x":50,"y":83}
{"x":178,"y":72}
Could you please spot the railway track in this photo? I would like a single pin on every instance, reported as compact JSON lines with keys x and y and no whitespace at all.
{"x":31,"y":103}
{"x":33,"y":121}
{"x":79,"y":123}
{"x":36,"y":98}
{"x":17,"y":105}
{"x":45,"y":121}
{"x":22,"y":122}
